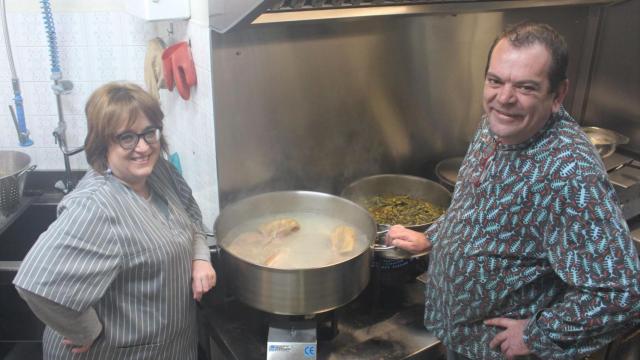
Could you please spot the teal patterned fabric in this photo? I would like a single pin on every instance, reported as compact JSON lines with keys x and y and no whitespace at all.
{"x":534,"y":231}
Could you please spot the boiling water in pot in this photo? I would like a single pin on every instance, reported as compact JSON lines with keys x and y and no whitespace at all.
{"x":318,"y":241}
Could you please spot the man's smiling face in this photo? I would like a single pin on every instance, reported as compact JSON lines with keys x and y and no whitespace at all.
{"x":517,"y":97}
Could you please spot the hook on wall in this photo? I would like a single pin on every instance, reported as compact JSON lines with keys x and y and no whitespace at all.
{"x":171,"y":34}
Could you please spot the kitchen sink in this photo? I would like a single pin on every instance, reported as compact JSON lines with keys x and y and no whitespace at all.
{"x":19,"y":236}
{"x":20,"y":330}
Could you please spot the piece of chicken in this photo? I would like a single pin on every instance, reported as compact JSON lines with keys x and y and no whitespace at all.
{"x":277,"y":257}
{"x":343,"y":238}
{"x":279,"y":228}
{"x":247,"y":244}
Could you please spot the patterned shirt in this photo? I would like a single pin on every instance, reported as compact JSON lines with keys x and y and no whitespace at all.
{"x":533,"y":232}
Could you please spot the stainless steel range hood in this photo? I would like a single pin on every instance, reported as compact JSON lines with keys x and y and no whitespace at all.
{"x":225,"y":15}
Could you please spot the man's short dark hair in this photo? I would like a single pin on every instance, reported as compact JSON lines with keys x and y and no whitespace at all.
{"x":529,"y":33}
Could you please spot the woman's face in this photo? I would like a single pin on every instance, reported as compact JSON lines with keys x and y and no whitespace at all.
{"x":134,"y":165}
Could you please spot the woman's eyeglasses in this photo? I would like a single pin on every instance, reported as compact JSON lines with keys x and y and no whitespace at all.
{"x":129,"y":140}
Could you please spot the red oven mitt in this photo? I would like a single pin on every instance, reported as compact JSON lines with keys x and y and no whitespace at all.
{"x":178,"y":68}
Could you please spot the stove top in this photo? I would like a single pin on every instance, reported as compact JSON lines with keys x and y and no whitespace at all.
{"x":623,"y":169}
{"x":390,"y":327}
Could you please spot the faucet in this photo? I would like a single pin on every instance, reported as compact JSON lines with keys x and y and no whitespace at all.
{"x":61,"y":87}
{"x":18,"y":112}
{"x":23,"y":135}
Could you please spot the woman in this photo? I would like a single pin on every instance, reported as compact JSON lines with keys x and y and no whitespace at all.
{"x":114,"y":277}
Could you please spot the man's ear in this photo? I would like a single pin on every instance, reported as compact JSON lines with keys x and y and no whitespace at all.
{"x":560,"y":93}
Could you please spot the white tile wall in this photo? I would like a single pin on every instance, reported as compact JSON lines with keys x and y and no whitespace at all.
{"x":97,"y":47}
{"x":94,"y":48}
{"x":5,"y":71}
{"x":73,"y":60}
{"x":22,"y":27}
{"x":70,"y":29}
{"x":189,"y":123}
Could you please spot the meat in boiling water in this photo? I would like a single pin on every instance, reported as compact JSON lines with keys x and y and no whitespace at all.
{"x":274,"y":231}
{"x":279,"y":228}
{"x":255,"y":245}
{"x":343,"y":239}
{"x":248,"y":244}
{"x":277,"y":257}
{"x":295,"y":240}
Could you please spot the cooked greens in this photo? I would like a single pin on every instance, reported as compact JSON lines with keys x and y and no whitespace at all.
{"x":402,"y":209}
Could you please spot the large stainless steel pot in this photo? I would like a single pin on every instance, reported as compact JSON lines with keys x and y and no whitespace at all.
{"x":295,"y":291}
{"x":397,"y":184}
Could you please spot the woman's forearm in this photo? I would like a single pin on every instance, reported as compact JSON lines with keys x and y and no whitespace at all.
{"x":80,"y":327}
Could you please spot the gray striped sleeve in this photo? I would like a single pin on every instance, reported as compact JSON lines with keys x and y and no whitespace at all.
{"x":76,"y":259}
{"x":80,"y":327}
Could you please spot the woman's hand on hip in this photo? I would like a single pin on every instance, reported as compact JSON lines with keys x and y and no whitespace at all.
{"x":403,"y":238}
{"x":76,"y":349}
{"x":203,"y":278}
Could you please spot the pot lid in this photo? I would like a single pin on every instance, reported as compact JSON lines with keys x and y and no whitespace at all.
{"x":447,"y":170}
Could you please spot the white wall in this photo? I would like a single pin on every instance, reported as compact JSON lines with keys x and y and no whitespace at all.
{"x":189,"y":125}
{"x":98,"y":42}
{"x":67,"y":5}
{"x":200,"y":12}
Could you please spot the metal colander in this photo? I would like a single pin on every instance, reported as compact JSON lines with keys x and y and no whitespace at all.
{"x":14,"y":167}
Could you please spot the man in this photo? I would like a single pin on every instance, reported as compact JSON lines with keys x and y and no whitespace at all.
{"x":533,"y":256}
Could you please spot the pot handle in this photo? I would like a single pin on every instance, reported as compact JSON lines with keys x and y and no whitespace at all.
{"x":384,"y":229}
{"x":214,"y":250}
{"x":380,"y":235}
{"x":380,"y":247}
{"x":26,"y":171}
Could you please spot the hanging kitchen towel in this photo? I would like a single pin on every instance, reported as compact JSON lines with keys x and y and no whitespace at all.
{"x":153,"y":74}
{"x":179,"y":69}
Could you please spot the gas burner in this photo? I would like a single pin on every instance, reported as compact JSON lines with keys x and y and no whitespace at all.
{"x":297,"y":337}
{"x":325,"y":324}
{"x":392,"y":329}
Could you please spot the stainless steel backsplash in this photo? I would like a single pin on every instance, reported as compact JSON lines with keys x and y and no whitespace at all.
{"x":315,"y":106}
{"x":613,"y":100}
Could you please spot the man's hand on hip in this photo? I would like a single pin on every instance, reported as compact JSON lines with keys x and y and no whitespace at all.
{"x":510,"y":340}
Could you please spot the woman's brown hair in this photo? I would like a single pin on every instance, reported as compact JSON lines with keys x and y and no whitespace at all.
{"x":111,"y":107}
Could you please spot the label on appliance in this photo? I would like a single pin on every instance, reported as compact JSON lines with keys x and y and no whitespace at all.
{"x":288,"y":351}
{"x":293,"y":340}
